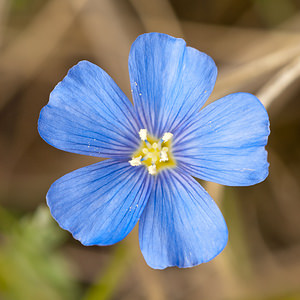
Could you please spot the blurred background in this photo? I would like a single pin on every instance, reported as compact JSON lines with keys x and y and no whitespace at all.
{"x":256,"y":46}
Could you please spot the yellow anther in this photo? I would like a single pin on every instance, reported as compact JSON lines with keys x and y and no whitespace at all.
{"x":152,"y":170}
{"x":165,"y":149}
{"x":136,"y":161}
{"x":163,"y":156}
{"x":145,"y":150}
{"x":143,"y":134}
{"x":167,"y":136}
{"x":154,"y":145}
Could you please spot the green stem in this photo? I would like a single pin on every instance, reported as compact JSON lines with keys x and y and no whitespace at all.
{"x":107,"y":283}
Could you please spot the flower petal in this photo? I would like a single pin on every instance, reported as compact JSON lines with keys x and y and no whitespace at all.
{"x":88,"y":114}
{"x":181,"y":224}
{"x":169,"y":81}
{"x":101,"y":203}
{"x":226,"y":142}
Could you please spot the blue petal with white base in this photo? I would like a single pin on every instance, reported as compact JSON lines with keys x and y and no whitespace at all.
{"x":169,"y":81}
{"x":181,"y":224}
{"x":101,"y":203}
{"x":225,"y":142}
{"x":155,"y":147}
{"x":89,"y":114}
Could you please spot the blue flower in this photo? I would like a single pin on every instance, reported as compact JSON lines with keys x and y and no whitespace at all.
{"x":155,"y":147}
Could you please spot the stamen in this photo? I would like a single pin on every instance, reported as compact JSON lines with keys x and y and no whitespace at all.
{"x":167,"y":136}
{"x":143,"y":134}
{"x":148,"y":144}
{"x":145,"y":158}
{"x":163,"y":156}
{"x":159,"y":144}
{"x":136,"y":161}
{"x":154,"y":154}
{"x":152,"y":169}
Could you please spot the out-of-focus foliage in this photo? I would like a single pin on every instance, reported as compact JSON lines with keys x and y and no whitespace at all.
{"x":30,"y":265}
{"x":239,"y":249}
{"x":108,"y":282}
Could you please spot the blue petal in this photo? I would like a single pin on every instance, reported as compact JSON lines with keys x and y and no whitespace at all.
{"x":101,"y":203}
{"x":169,"y":81}
{"x":226,"y":142}
{"x":88,"y":114}
{"x":181,"y":224}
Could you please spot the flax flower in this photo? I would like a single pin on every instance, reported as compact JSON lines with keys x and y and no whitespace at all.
{"x":155,"y":148}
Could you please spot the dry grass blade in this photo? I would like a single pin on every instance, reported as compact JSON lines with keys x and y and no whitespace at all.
{"x":248,"y":54}
{"x":256,"y":68}
{"x":110,"y":30}
{"x":4,"y":8}
{"x":274,"y":88}
{"x":21,"y":60}
{"x":158,"y":15}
